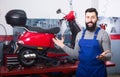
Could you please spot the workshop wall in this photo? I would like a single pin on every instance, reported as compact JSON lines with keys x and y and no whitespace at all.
{"x":43,"y":9}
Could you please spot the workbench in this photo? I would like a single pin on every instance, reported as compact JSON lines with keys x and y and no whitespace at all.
{"x":44,"y":71}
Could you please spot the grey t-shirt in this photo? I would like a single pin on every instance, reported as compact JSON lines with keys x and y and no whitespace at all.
{"x":102,"y":37}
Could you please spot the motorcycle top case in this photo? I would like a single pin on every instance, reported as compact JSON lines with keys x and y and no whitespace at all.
{"x":34,"y":39}
{"x":16,"y":18}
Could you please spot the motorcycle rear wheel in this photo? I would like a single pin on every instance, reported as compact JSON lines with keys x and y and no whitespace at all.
{"x":27,"y":61}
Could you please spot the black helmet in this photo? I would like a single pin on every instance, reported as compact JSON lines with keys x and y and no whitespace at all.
{"x":16,"y":18}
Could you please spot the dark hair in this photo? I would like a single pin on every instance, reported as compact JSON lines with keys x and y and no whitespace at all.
{"x":92,"y":10}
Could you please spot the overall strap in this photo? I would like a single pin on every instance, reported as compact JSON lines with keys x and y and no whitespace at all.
{"x":83,"y":33}
{"x":96,"y":33}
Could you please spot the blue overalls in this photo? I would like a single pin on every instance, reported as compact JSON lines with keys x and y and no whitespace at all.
{"x":89,"y":65}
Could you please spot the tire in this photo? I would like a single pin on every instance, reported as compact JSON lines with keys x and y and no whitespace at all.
{"x":26,"y":61}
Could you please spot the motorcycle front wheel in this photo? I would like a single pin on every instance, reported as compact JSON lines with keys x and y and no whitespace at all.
{"x":27,"y":57}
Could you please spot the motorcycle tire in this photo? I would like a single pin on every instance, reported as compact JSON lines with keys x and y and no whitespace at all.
{"x":27,"y":62}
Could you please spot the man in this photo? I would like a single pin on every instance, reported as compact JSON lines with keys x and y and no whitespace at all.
{"x":92,"y":47}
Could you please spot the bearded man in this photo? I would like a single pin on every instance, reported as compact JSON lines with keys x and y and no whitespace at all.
{"x":92,"y":47}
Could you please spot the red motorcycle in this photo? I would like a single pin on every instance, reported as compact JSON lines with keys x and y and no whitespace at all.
{"x":34,"y":43}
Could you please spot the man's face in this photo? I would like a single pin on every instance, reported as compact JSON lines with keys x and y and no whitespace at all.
{"x":90,"y":21}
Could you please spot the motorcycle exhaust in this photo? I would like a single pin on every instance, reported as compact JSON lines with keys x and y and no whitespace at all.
{"x":30,"y":55}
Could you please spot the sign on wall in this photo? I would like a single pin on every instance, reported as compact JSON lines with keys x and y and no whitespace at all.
{"x":112,"y":24}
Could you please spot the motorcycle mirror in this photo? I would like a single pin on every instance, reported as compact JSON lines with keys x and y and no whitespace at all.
{"x":58,"y":11}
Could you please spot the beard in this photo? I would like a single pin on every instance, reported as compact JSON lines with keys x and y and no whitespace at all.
{"x":91,"y":29}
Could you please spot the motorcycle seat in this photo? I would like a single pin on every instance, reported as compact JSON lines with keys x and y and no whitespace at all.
{"x":53,"y":30}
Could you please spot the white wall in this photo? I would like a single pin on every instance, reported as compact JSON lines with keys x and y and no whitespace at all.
{"x":43,"y":9}
{"x":47,"y":8}
{"x":109,"y":8}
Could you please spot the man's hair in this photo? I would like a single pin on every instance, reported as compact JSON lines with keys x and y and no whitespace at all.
{"x":92,"y":10}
